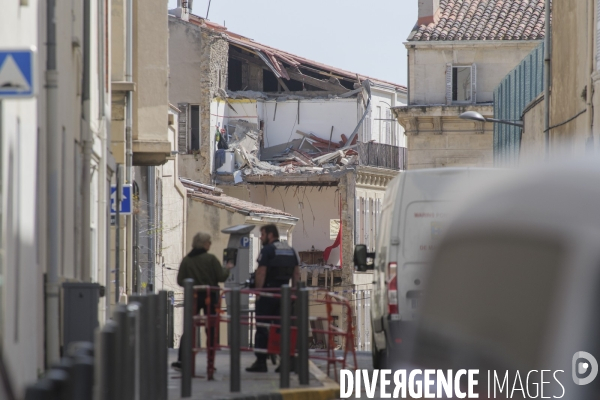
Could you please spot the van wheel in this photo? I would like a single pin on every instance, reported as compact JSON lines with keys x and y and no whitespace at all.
{"x":379,"y":356}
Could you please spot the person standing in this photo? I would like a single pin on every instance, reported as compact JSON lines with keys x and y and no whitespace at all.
{"x":205,"y":269}
{"x":277,"y":264}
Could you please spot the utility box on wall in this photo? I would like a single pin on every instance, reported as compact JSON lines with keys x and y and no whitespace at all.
{"x":80,"y":311}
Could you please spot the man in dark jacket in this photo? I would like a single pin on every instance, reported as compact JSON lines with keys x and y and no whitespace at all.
{"x":277,"y":264}
{"x":205,"y":269}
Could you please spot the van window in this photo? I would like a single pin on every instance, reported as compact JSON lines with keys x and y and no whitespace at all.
{"x":425,"y":222}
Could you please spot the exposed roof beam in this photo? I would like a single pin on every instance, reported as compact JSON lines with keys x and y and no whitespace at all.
{"x":309,"y":80}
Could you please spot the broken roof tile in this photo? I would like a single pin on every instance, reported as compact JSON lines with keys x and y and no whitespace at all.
{"x":217,"y":199}
{"x":484,"y":20}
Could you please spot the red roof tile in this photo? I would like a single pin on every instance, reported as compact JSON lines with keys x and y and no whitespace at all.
{"x":484,"y":20}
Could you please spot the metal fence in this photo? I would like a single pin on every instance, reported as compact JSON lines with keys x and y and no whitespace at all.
{"x":382,"y":155}
{"x":518,"y":89}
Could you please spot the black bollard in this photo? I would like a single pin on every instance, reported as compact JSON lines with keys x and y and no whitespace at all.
{"x":162,"y":346}
{"x":286,"y":309}
{"x":302,"y":304}
{"x":234,"y":345}
{"x":108,"y":377}
{"x":187,"y":339}
{"x":133,"y":363}
{"x":121,"y":350}
{"x":82,"y":377}
{"x":170,"y":320}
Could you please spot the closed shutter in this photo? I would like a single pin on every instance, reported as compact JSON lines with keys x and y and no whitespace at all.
{"x":448,"y":84}
{"x":182,"y":129}
{"x":474,"y":83}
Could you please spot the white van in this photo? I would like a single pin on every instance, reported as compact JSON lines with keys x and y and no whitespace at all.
{"x":416,"y":208}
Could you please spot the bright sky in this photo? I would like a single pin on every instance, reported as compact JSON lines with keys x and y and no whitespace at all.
{"x":363,"y":36}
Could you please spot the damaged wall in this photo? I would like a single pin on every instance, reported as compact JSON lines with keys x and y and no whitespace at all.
{"x":198,"y":69}
{"x":313,"y":206}
{"x":309,"y":115}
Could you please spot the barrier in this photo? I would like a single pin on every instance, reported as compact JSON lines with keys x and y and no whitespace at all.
{"x":128,"y":358}
{"x":293,"y":340}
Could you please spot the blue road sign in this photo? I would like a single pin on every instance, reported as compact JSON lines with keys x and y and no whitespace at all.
{"x":126,"y":199}
{"x":245,"y":242}
{"x":17,"y":73}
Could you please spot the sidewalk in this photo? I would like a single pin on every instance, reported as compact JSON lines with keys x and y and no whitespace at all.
{"x":254,"y":386}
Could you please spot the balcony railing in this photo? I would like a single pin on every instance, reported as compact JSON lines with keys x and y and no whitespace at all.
{"x":382,"y":155}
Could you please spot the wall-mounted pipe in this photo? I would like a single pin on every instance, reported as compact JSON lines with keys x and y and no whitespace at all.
{"x":547,"y":77}
{"x":53,"y":154}
{"x":590,"y":84}
{"x":87,"y":146}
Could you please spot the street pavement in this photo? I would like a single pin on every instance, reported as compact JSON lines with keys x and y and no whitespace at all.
{"x":253,"y":385}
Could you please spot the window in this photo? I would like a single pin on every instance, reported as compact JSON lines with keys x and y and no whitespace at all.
{"x":195,"y":127}
{"x":460,"y":83}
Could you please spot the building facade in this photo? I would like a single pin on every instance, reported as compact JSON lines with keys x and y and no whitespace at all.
{"x":458,"y":53}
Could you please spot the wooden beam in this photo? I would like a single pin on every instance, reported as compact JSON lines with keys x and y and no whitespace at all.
{"x":309,"y":80}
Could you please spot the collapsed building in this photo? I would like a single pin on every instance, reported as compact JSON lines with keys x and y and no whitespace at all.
{"x":272,"y":128}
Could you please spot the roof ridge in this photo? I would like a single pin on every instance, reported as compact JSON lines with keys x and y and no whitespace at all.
{"x":457,"y":20}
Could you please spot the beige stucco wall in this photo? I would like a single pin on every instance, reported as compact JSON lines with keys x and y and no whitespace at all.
{"x":437,"y":137}
{"x":532,"y":140}
{"x":198,"y":69}
{"x":493,"y":59}
{"x":313,"y":206}
{"x":570,"y":77}
{"x":150,"y":71}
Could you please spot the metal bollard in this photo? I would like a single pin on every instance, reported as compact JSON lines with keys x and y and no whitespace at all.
{"x":234,"y":344}
{"x":121,"y":349}
{"x":142,"y":379}
{"x":152,"y":347}
{"x":133,"y":370}
{"x":162,"y":346}
{"x":170,"y":320}
{"x":186,"y":352}
{"x":82,"y":377}
{"x":302,"y":306}
{"x":286,"y":308}
{"x":108,"y":341}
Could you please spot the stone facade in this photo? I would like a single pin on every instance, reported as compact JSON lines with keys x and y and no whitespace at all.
{"x":437,"y":137}
{"x":198,"y":69}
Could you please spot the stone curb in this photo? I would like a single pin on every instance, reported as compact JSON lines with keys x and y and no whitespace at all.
{"x":330,"y":390}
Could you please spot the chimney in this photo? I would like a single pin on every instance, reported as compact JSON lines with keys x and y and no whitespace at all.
{"x":427,"y":9}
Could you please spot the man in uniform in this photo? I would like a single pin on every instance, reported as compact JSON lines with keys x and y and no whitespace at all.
{"x":277,"y":264}
{"x":205,"y":269}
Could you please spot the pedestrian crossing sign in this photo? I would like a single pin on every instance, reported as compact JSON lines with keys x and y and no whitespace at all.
{"x":17,"y":71}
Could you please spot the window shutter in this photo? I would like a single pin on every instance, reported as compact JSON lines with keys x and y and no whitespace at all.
{"x":474,"y":83}
{"x":182,"y":129}
{"x":448,"y":84}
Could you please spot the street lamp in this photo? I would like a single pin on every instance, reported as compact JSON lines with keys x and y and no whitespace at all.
{"x":475,"y":116}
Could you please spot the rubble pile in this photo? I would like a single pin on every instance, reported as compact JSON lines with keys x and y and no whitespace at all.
{"x":310,"y":154}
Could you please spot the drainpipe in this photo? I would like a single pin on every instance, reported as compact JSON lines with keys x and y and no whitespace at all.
{"x":129,"y":101}
{"x":87,"y":146}
{"x":128,"y":142}
{"x":53,"y":151}
{"x":547,"y":78}
{"x":590,"y":86}
{"x":151,"y":227}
